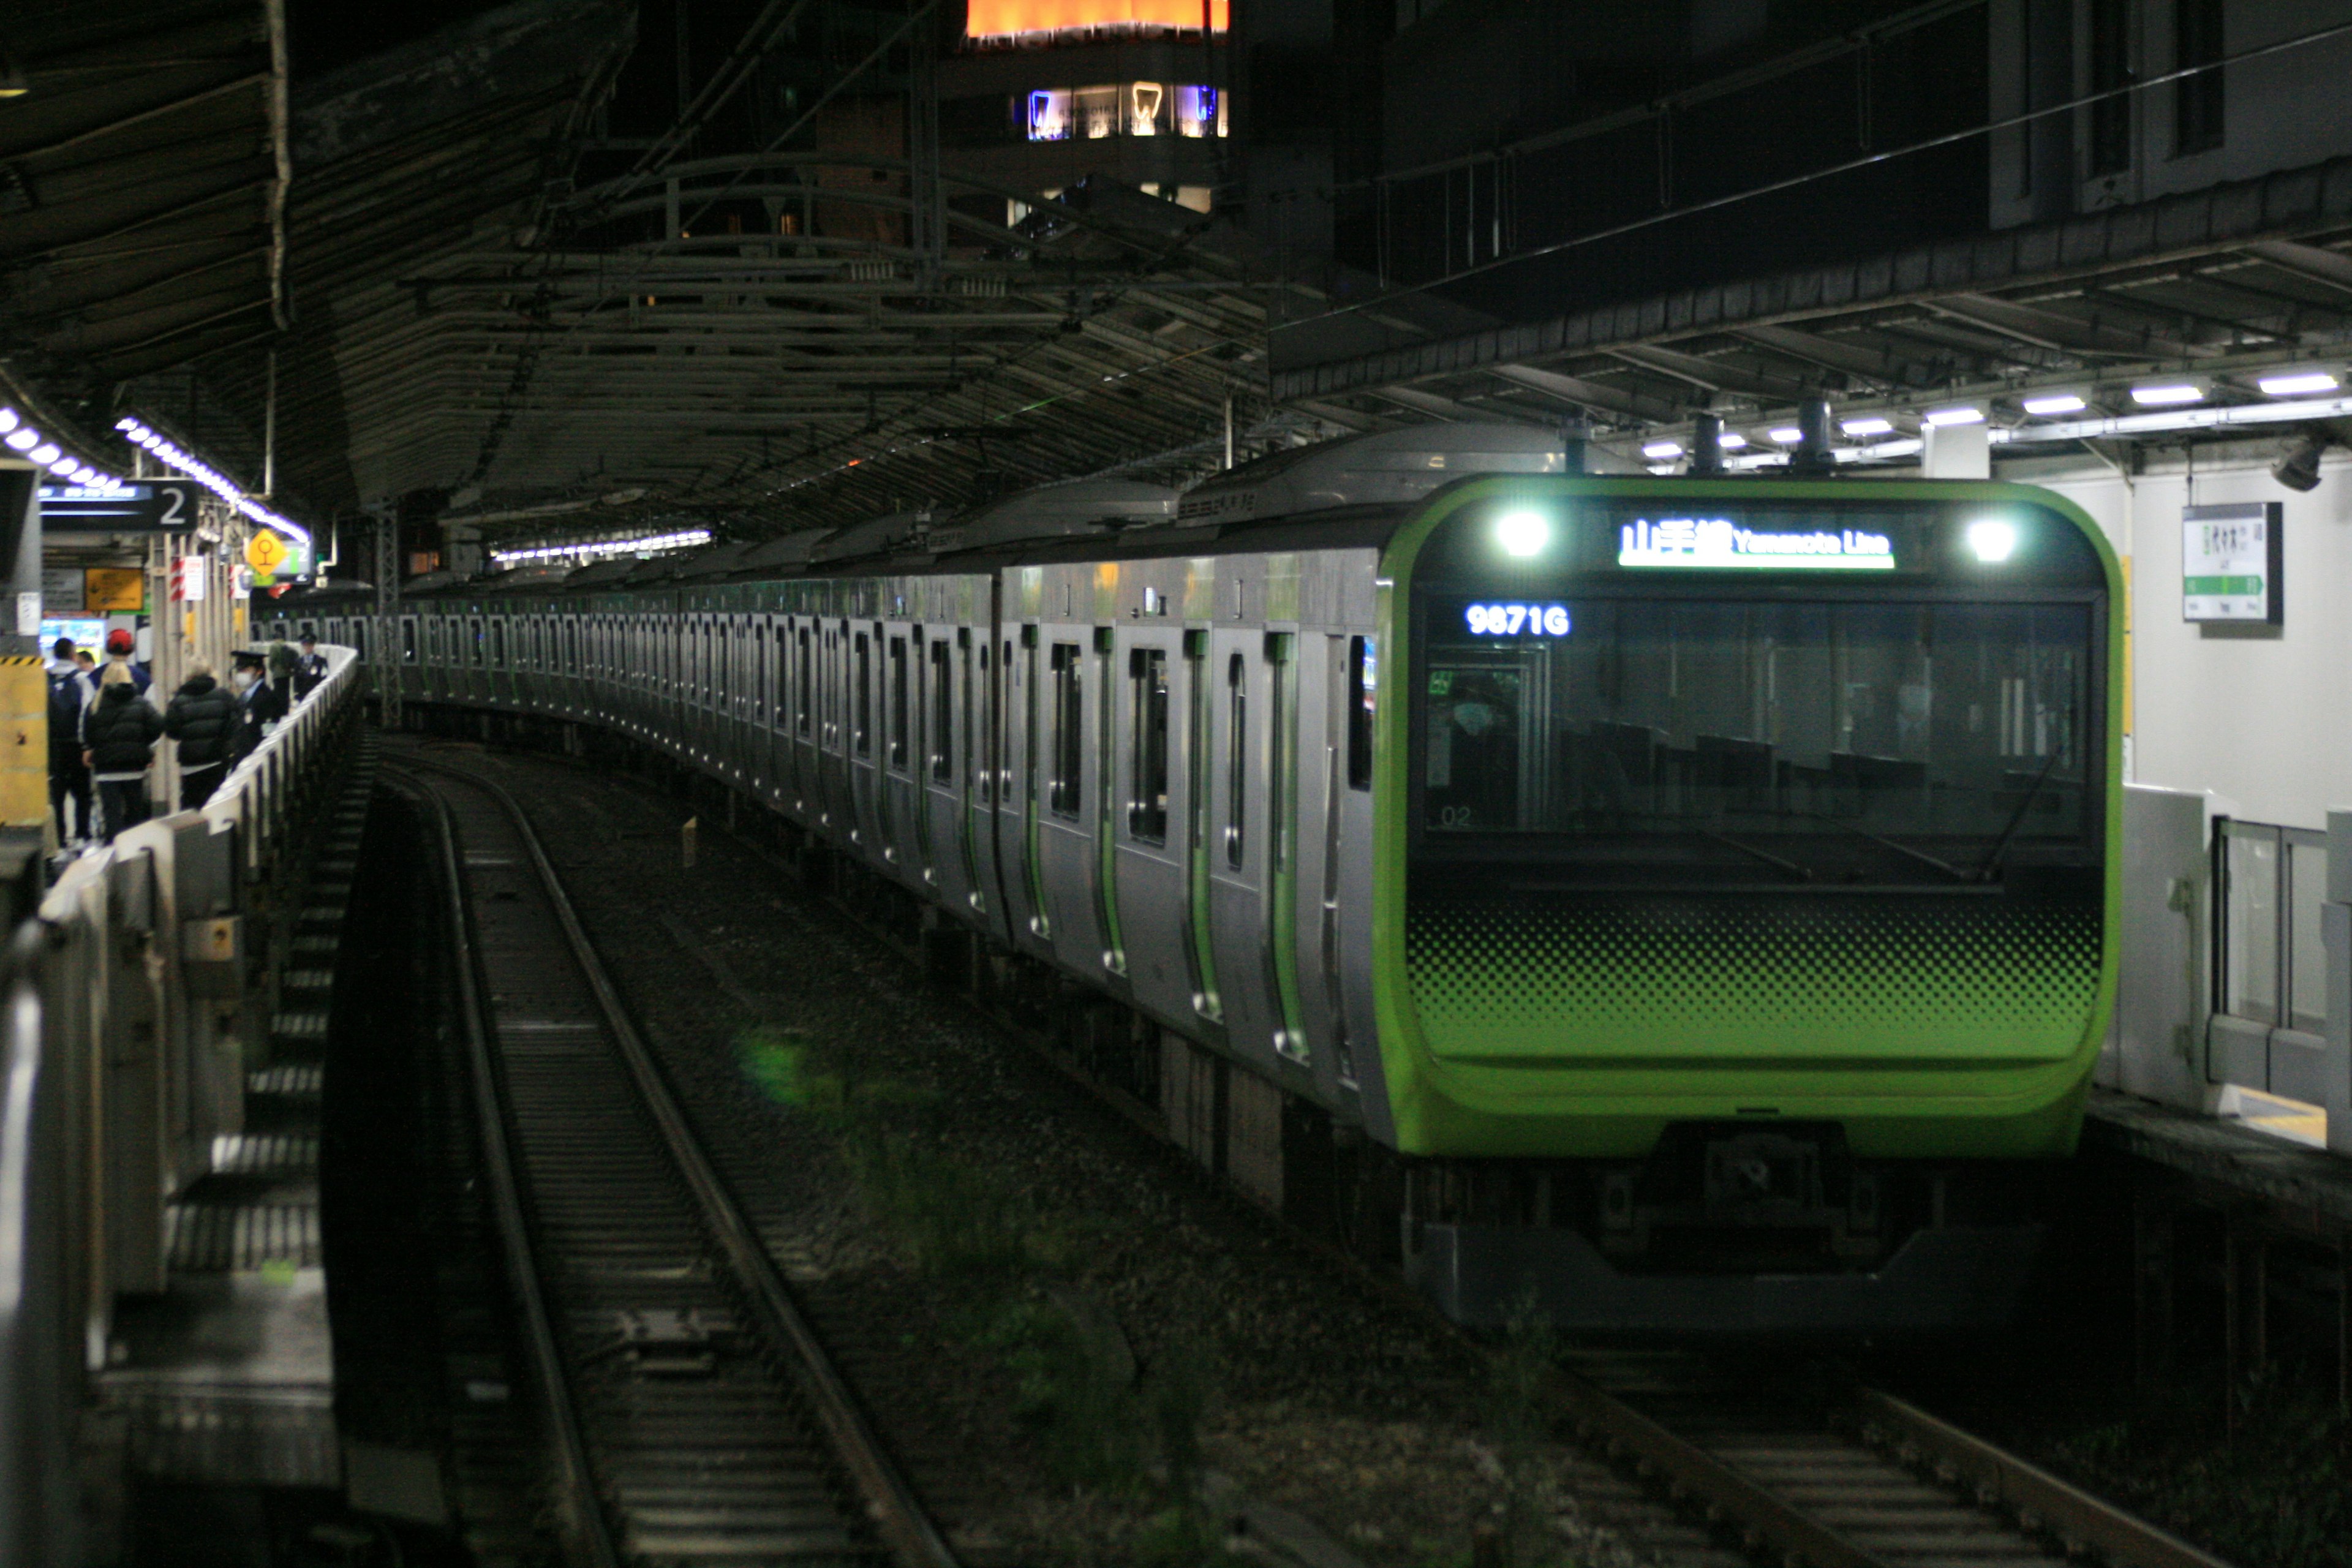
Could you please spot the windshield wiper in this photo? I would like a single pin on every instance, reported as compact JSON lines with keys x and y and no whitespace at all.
{"x":1791,"y":866}
{"x":1946,"y":867}
{"x":2016,"y":819}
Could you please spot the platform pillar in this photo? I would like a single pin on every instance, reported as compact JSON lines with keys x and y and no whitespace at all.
{"x":2335,"y":937}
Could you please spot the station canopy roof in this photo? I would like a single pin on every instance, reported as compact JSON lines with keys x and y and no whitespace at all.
{"x":2219,"y":289}
{"x":451,"y":311}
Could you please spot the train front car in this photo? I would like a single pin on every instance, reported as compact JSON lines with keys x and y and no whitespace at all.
{"x":1747,"y":860}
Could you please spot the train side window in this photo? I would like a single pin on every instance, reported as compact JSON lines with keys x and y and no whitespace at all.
{"x":861,"y":728}
{"x":1147,"y":811}
{"x":1236,"y":756}
{"x":1069,"y":727}
{"x":942,"y":714}
{"x":801,"y":687}
{"x":898,"y":703}
{"x":1363,"y":686}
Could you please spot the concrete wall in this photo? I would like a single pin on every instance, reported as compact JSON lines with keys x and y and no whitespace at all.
{"x":2281,"y":111}
{"x":2262,"y":715}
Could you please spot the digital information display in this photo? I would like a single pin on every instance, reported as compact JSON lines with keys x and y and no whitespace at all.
{"x":1516,"y":620}
{"x":1717,"y":544}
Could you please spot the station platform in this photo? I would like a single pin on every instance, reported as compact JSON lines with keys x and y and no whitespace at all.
{"x":227,"y":1376}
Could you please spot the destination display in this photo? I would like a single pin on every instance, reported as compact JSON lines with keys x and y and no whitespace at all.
{"x":1717,"y":544}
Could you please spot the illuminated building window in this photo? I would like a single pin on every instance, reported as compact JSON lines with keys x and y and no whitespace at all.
{"x":1096,"y":110}
{"x":1130,"y":108}
{"x":1143,"y":109}
{"x":1200,"y":111}
{"x":1049,"y":116}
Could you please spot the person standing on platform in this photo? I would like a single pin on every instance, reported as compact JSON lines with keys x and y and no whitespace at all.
{"x":202,"y":718}
{"x":119,"y":732}
{"x":260,"y":701}
{"x":70,"y":692}
{"x":309,"y":668}
{"x":120,"y":646}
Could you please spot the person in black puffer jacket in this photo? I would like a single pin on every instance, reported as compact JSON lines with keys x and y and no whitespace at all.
{"x":118,"y":733}
{"x":203,"y":719}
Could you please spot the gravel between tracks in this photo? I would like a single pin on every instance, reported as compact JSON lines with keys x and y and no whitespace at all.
{"x":1328,"y":1400}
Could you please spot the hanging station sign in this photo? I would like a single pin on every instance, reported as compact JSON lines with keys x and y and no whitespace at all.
{"x":2232,"y":562}
{"x":133,"y":506}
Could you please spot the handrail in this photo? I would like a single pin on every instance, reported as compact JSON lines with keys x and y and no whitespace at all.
{"x":101,"y":974}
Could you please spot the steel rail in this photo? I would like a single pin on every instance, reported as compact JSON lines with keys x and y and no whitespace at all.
{"x":584,"y":1522}
{"x":898,"y":1518}
{"x":1783,"y":1531}
{"x":2027,"y":1488}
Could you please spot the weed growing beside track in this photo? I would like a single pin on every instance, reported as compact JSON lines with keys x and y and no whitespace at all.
{"x":1104,"y":1424}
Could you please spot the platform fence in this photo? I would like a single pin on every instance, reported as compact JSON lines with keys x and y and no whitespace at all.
{"x":131,"y":1008}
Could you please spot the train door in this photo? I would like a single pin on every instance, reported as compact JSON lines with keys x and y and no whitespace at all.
{"x":978,"y":714}
{"x":1242,"y":758}
{"x":942,"y":775}
{"x":1148,"y":816}
{"x":806,"y":653}
{"x":1068,"y":852}
{"x":1020,"y":787}
{"x":830,"y":787}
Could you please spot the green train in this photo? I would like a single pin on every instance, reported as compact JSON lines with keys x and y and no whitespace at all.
{"x":1689,"y":902}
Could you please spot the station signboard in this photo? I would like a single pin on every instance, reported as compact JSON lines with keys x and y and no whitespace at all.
{"x":2232,"y":562}
{"x":133,"y":506}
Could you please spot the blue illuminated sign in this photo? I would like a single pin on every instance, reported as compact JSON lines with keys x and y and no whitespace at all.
{"x":1716,"y":544}
{"x":1518,"y":620}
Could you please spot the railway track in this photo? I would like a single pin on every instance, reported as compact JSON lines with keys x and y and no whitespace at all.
{"x":1777,"y":1470}
{"x":695,"y":1414}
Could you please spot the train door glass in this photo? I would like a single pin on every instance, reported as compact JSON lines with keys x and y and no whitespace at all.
{"x":1147,"y":806}
{"x":1363,"y":689}
{"x":1282,"y":832}
{"x":979,"y":733}
{"x":1069,"y":729}
{"x":1196,"y":805}
{"x":801,"y":687}
{"x":408,"y":639}
{"x":898,"y":742}
{"x":942,"y":695}
{"x":1236,"y":757}
{"x":861,"y":728}
{"x":476,"y":654}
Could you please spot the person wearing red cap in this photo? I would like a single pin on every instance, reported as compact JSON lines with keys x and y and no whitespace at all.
{"x":119,"y":647}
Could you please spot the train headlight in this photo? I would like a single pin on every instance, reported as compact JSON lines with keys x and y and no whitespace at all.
{"x":1523,"y":532}
{"x":1993,"y":540}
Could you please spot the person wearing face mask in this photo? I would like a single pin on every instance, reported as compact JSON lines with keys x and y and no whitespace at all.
{"x":260,"y":703}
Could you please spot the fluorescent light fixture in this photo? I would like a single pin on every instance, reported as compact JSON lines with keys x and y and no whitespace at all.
{"x":46,"y":452}
{"x":2205,"y":418}
{"x":1868,"y":424}
{"x":1524,"y":533}
{"x":1663,"y":450}
{"x":1786,"y":435}
{"x":2297,"y":383}
{"x":1963,"y":414}
{"x":212,"y":479}
{"x":62,"y":465}
{"x":24,"y":438}
{"x":2055,"y":402}
{"x":1993,"y":540}
{"x":2167,"y":393}
{"x":8,"y":420}
{"x":642,"y":544}
{"x":1731,"y":441}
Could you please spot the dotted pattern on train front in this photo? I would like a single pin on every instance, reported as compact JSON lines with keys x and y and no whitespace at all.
{"x":1862,"y":977}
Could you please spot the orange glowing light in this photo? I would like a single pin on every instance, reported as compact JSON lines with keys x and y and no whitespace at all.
{"x":990,"y":18}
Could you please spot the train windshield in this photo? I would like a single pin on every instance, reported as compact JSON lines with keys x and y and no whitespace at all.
{"x":1833,"y":741}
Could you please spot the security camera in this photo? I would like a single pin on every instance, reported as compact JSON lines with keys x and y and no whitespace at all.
{"x":2299,"y":469}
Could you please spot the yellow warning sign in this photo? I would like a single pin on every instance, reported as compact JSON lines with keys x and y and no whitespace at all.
{"x":264,"y":553}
